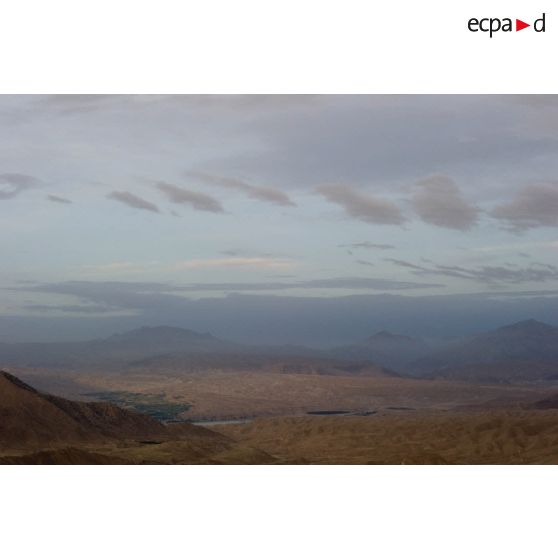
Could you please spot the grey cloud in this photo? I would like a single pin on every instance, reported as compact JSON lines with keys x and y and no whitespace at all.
{"x":262,"y":193}
{"x":537,"y":101}
{"x":403,"y":263}
{"x":534,"y":206}
{"x":249,"y":253}
{"x":439,"y":203}
{"x":58,"y":199}
{"x":232,"y":252}
{"x":202,"y":202}
{"x":362,"y":283}
{"x":78,"y":103}
{"x":134,"y":201}
{"x":365,"y":207}
{"x":71,"y":308}
{"x":118,"y":295}
{"x":368,"y":246}
{"x":491,"y":275}
{"x":112,"y":296}
{"x":304,"y":140}
{"x":376,"y":139}
{"x":264,"y":102}
{"x":12,"y":184}
{"x":364,"y":262}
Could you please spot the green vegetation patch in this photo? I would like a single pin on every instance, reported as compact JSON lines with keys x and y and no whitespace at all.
{"x":154,"y":405}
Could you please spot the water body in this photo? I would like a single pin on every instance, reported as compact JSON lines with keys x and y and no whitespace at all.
{"x":328,"y":413}
{"x":218,"y":422}
{"x":343,"y":413}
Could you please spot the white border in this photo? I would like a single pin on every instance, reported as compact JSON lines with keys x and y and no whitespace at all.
{"x":272,"y":46}
{"x":287,"y":46}
{"x":322,"y":511}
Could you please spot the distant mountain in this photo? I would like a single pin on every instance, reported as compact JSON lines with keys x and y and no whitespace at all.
{"x":160,"y":340}
{"x":524,"y":351}
{"x":114,"y":350}
{"x":384,"y":348}
{"x":153,"y":346}
{"x":256,"y":362}
{"x":500,"y":372}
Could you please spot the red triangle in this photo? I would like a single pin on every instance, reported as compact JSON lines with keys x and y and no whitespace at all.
{"x":519,"y":25}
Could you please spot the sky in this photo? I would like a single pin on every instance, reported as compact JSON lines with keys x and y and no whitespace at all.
{"x":127,"y":210}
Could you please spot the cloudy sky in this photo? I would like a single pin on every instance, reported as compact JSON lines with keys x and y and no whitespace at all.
{"x":115,"y":205}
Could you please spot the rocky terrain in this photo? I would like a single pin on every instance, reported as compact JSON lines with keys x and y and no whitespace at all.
{"x":474,"y":437}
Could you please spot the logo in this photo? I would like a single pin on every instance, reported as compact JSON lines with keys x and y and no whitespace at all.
{"x":493,"y":25}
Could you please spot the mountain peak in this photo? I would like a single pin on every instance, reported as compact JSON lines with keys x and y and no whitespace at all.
{"x":388,"y":336}
{"x":384,"y":333}
{"x":160,"y":332}
{"x":526,"y":327}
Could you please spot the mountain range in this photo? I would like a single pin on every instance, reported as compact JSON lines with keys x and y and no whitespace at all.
{"x":116,"y":350}
{"x":524,"y":351}
{"x":386,"y":349}
{"x":173,"y":346}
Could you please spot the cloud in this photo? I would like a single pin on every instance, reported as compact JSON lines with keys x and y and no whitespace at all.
{"x":113,"y":296}
{"x":202,"y":202}
{"x":262,"y":193}
{"x":12,"y":184}
{"x":491,"y":275}
{"x":79,"y":103}
{"x":383,"y":139}
{"x":233,"y":252}
{"x":247,"y":102}
{"x":131,"y":200}
{"x":115,"y":267}
{"x":58,"y":199}
{"x":364,"y":262}
{"x":161,"y":297}
{"x":71,"y":308}
{"x":523,"y":248}
{"x":362,"y":283}
{"x":439,"y":203}
{"x":368,"y":246}
{"x":534,"y":206}
{"x":541,"y":101}
{"x":239,"y":252}
{"x":234,"y":262}
{"x":371,"y":209}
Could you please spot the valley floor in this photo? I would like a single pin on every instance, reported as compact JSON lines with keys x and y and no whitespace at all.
{"x":310,"y":418}
{"x":226,"y":395}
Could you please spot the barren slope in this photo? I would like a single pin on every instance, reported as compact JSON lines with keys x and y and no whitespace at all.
{"x":498,"y":437}
{"x":37,"y":428}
